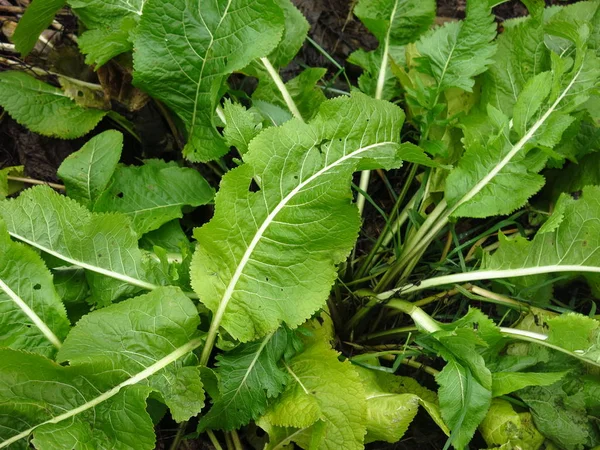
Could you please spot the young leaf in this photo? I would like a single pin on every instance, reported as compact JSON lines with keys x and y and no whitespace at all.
{"x":87,"y":172}
{"x":506,"y":382}
{"x":38,"y":16}
{"x":124,"y":336}
{"x":44,"y":109}
{"x":241,"y":126}
{"x":101,"y":397}
{"x":324,"y":400}
{"x":248,"y":377}
{"x":455,"y":53}
{"x":33,"y":317}
{"x":103,"y":244}
{"x":279,"y":265}
{"x":503,"y":426}
{"x":392,"y":404}
{"x":185,"y":50}
{"x":153,"y":194}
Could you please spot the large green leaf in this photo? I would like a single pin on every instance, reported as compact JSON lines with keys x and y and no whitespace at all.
{"x":118,"y":357}
{"x":269,"y":256}
{"x":43,"y":108}
{"x":103,"y":244}
{"x":38,"y":16}
{"x":153,"y":194}
{"x":506,"y":382}
{"x":324,"y":402}
{"x":458,"y":51}
{"x":87,"y":172}
{"x":186,"y":48}
{"x":32,"y":317}
{"x":248,"y":377}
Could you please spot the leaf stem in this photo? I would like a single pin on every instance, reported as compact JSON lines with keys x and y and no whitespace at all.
{"x":214,"y":440}
{"x":287,"y":98}
{"x":27,"y":180}
{"x":420,"y":317}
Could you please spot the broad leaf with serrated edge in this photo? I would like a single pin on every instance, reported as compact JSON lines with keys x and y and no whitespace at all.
{"x":458,"y":51}
{"x":43,"y":108}
{"x":185,"y":49}
{"x":100,"y":398}
{"x":269,"y":256}
{"x":324,"y":399}
{"x":103,"y":244}
{"x":249,"y":376}
{"x":87,"y":172}
{"x":32,"y":316}
{"x":154,"y":193}
{"x":125,"y":336}
{"x":241,"y":126}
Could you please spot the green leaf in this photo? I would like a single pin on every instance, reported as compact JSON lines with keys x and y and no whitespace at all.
{"x":502,"y":426}
{"x":129,"y":335}
{"x":241,"y":126}
{"x":44,"y":109}
{"x":103,"y":244}
{"x":519,"y":57}
{"x":33,"y":316}
{"x":38,"y":16}
{"x":87,"y":172}
{"x":268,"y":257}
{"x":392,"y":404}
{"x":396,"y":22}
{"x":101,"y":397}
{"x":9,"y":187}
{"x":153,"y":194}
{"x":458,"y":51}
{"x":576,"y":333}
{"x":303,"y":89}
{"x":506,"y":382}
{"x":294,"y":33}
{"x":186,"y":49}
{"x":324,"y":400}
{"x":101,"y":44}
{"x":249,"y":376}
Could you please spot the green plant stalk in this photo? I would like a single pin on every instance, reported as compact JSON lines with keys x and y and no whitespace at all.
{"x":419,"y":317}
{"x":287,"y":98}
{"x":213,"y":439}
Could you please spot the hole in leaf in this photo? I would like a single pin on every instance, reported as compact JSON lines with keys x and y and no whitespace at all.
{"x":79,"y":94}
{"x":253,"y":186}
{"x":37,"y":286}
{"x":120,"y":195}
{"x":576,"y":195}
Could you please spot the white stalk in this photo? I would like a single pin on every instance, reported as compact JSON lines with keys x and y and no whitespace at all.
{"x":485,"y":275}
{"x":37,"y":321}
{"x":287,"y":98}
{"x":141,"y":376}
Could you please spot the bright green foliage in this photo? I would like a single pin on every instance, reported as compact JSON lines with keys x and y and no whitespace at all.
{"x":302,"y":89}
{"x":153,"y":194}
{"x":393,"y":402}
{"x":185,"y":50}
{"x":103,"y":244}
{"x":576,"y":333}
{"x":249,"y":376}
{"x":9,"y":187}
{"x":107,"y":41}
{"x":324,"y":401}
{"x":241,"y":126}
{"x":32,"y":316}
{"x":87,"y":172}
{"x":101,"y":397}
{"x":458,"y":51}
{"x":394,"y":23}
{"x":126,"y":336}
{"x":506,"y":382}
{"x":36,"y":19}
{"x":506,"y":428}
{"x":279,"y":265}
{"x":43,"y":108}
{"x":294,"y":33}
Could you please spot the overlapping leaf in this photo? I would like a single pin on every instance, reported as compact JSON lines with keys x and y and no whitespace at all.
{"x":269,"y":256}
{"x":87,"y":172}
{"x":32,"y":316}
{"x":118,"y":357}
{"x":38,"y":16}
{"x":185,"y":50}
{"x":43,"y":108}
{"x":103,"y":244}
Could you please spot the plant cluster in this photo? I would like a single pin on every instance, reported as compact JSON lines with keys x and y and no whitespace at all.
{"x":269,"y":316}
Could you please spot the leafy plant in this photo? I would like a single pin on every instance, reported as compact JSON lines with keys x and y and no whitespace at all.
{"x":271,"y":306}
